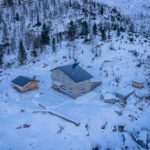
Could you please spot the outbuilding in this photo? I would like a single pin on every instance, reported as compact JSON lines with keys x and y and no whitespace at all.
{"x":137,"y":84}
{"x":24,"y":84}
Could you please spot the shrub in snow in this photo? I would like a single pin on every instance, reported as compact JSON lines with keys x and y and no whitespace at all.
{"x":26,"y":125}
{"x":87,"y":126}
{"x":22,"y":110}
{"x":114,"y":129}
{"x":117,"y":79}
{"x":61,"y":128}
{"x":120,"y":128}
{"x":118,"y":113}
{"x":111,"y":47}
{"x":96,"y":148}
{"x":104,"y":126}
{"x":135,"y":53}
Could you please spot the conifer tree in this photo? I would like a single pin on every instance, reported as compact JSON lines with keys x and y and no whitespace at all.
{"x":38,"y":21}
{"x":22,"y":56}
{"x":85,"y":31}
{"x":102,"y":10}
{"x":5,"y":38}
{"x":118,"y":32}
{"x":36,"y":46}
{"x":109,"y":36}
{"x":1,"y":56}
{"x":72,"y":31}
{"x":94,"y":29}
{"x":54,"y":45}
{"x":8,"y":2}
{"x":103,"y":34}
{"x":45,"y":35}
{"x":34,"y":53}
{"x":17,"y":17}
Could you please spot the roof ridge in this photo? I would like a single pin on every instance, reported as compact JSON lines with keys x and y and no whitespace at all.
{"x":77,"y":74}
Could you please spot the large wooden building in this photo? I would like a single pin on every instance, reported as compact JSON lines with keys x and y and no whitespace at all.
{"x":24,"y":84}
{"x":71,"y":80}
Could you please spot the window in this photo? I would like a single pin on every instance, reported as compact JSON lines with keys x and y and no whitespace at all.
{"x":70,"y":90}
{"x":57,"y":84}
{"x":82,"y":91}
{"x":63,"y":87}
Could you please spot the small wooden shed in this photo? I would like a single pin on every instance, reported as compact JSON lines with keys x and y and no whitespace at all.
{"x":123,"y":94}
{"x":24,"y":84}
{"x":109,"y":98}
{"x":138,"y":85}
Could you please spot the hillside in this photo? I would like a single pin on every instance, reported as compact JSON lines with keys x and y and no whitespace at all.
{"x":116,"y":65}
{"x":27,"y":21}
{"x":139,"y":12}
{"x":110,"y":40}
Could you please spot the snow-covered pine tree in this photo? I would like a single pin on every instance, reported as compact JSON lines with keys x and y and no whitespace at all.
{"x":22,"y":56}
{"x":8,"y":2}
{"x":103,"y":34}
{"x":72,"y":29}
{"x":94,"y":29}
{"x":85,"y":30}
{"x":54,"y":45}
{"x":45,"y":35}
{"x":1,"y":56}
{"x":5,"y":33}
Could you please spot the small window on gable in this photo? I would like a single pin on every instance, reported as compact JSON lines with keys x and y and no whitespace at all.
{"x":82,"y":91}
{"x":70,"y":90}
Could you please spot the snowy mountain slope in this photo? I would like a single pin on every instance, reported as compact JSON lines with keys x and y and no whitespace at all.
{"x":112,"y":52}
{"x":131,"y":7}
{"x":138,"y":10}
{"x":114,"y":62}
{"x":24,"y":21}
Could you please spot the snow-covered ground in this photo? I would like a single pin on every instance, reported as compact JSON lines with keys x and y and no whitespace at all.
{"x":138,"y":10}
{"x":130,"y":7}
{"x":115,"y":67}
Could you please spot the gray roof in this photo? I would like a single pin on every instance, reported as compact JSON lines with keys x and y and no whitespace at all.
{"x":21,"y":80}
{"x":75,"y":72}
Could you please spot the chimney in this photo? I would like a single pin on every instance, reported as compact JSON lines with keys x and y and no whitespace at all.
{"x":75,"y":63}
{"x":34,"y":78}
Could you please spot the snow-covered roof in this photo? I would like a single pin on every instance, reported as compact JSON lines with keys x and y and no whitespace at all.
{"x":75,"y":72}
{"x":21,"y":80}
{"x":109,"y":96}
{"x":124,"y":91}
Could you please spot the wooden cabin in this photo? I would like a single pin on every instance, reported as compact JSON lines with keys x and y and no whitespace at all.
{"x":138,"y":85}
{"x":72,"y":80}
{"x":24,"y":84}
{"x":109,"y":98}
{"x":124,"y":94}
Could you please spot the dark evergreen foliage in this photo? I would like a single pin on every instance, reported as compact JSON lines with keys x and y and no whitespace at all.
{"x":38,"y":21}
{"x":101,"y":10}
{"x":94,"y":29}
{"x":22,"y":56}
{"x":72,"y":29}
{"x":54,"y":45}
{"x":8,"y":2}
{"x":45,"y":35}
{"x":17,"y":17}
{"x":103,"y":34}
{"x":1,"y":56}
{"x":85,"y":30}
